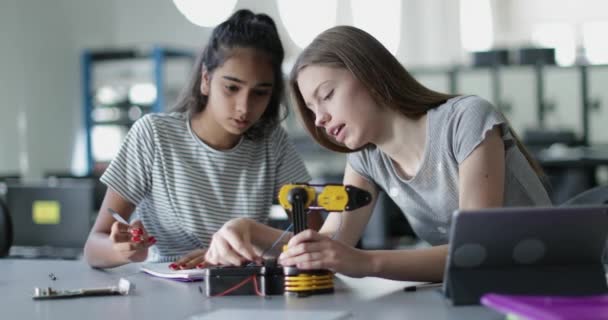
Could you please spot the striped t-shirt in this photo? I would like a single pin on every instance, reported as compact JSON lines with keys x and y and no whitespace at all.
{"x":185,"y":190}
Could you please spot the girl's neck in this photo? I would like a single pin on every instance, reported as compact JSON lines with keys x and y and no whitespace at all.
{"x":211,"y":132}
{"x":404,"y":139}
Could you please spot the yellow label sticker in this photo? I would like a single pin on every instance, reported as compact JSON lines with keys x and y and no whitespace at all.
{"x":46,"y":212}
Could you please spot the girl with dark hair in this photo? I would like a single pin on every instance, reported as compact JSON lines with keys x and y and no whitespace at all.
{"x":431,"y":152}
{"x":219,"y":155}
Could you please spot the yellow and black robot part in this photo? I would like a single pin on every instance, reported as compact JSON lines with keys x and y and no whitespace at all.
{"x":301,"y":198}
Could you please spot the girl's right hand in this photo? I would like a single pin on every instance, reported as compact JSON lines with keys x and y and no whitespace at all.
{"x":231,"y":245}
{"x":131,"y":241}
{"x":310,"y":250}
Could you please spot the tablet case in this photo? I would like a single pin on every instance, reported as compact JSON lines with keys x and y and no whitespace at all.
{"x":537,"y":251}
{"x":549,"y":307}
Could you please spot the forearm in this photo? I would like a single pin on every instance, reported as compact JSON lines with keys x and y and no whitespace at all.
{"x":99,"y":253}
{"x":263,"y":236}
{"x":409,"y":265}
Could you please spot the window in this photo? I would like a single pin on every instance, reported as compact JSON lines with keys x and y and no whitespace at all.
{"x":304,"y":20}
{"x":595,"y":43}
{"x":476,"y":26}
{"x":205,"y":13}
{"x":107,"y":141}
{"x":381,"y":20}
{"x":559,"y":36}
{"x":142,"y":93}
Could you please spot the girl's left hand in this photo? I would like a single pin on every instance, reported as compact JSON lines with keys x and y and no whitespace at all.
{"x":194,"y":259}
{"x":311,"y":250}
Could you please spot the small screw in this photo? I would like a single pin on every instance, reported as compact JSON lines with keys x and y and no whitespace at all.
{"x":200,"y":289}
{"x":52,"y":276}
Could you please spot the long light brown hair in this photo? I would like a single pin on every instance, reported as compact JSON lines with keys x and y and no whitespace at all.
{"x":389,"y":83}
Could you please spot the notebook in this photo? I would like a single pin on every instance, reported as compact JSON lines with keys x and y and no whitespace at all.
{"x":162,"y":270}
{"x":273,"y":314}
{"x":549,"y":307}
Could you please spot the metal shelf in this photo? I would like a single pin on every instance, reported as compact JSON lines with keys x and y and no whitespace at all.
{"x":158,"y":55}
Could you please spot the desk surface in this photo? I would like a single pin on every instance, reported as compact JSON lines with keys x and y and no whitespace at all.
{"x":155,"y":298}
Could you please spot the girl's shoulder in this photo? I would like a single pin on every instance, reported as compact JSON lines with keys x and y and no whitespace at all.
{"x":162,"y":121}
{"x":278,"y":131}
{"x":458,"y":107}
{"x":460,"y":103}
{"x":165,"y":117}
{"x":276,"y":136}
{"x":369,"y":154}
{"x":272,"y":139}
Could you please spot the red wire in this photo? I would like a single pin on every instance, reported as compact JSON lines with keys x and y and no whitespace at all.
{"x":240,"y":284}
{"x":255,"y":287}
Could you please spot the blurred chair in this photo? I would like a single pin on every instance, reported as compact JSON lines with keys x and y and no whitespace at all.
{"x":10,"y":176}
{"x":567,"y":178}
{"x":6,"y":230}
{"x":538,"y":139}
{"x":594,"y":196}
{"x":386,"y":226}
{"x":4,"y":179}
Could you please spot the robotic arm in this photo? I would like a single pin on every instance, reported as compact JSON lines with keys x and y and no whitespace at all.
{"x":299,"y":198}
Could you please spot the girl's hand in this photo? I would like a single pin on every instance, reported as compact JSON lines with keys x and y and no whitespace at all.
{"x":309,"y":250}
{"x":231,"y":245}
{"x":194,"y":259}
{"x":131,"y":241}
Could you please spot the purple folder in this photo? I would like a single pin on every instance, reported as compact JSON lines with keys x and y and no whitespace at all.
{"x":549,"y":307}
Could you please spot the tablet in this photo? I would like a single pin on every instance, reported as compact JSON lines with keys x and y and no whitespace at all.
{"x":533,"y":250}
{"x":527,"y":236}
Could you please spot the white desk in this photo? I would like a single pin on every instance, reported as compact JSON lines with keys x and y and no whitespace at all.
{"x":154,"y":298}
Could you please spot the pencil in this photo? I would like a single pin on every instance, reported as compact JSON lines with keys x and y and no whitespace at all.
{"x":422,"y":286}
{"x":117,"y":216}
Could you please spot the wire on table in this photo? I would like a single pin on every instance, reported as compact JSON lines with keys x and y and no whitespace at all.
{"x":278,"y":240}
{"x":240,"y":284}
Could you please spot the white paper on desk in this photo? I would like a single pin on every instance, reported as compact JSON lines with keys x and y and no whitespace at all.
{"x":162,"y":270}
{"x":272,"y":314}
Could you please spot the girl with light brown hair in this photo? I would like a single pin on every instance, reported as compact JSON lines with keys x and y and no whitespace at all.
{"x":432,"y":153}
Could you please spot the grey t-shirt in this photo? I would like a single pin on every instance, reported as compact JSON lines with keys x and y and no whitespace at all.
{"x":454,"y":130}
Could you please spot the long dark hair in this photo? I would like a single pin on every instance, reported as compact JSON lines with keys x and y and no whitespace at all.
{"x":243,"y":29}
{"x":388,"y":82}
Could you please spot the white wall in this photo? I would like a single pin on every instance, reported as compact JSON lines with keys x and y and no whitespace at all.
{"x":431,"y":36}
{"x":11,"y":87}
{"x":41,"y":42}
{"x":526,"y":13}
{"x":39,"y":85}
{"x":40,"y":77}
{"x":146,"y":22}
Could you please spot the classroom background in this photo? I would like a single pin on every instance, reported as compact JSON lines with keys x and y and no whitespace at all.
{"x":74,"y":75}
